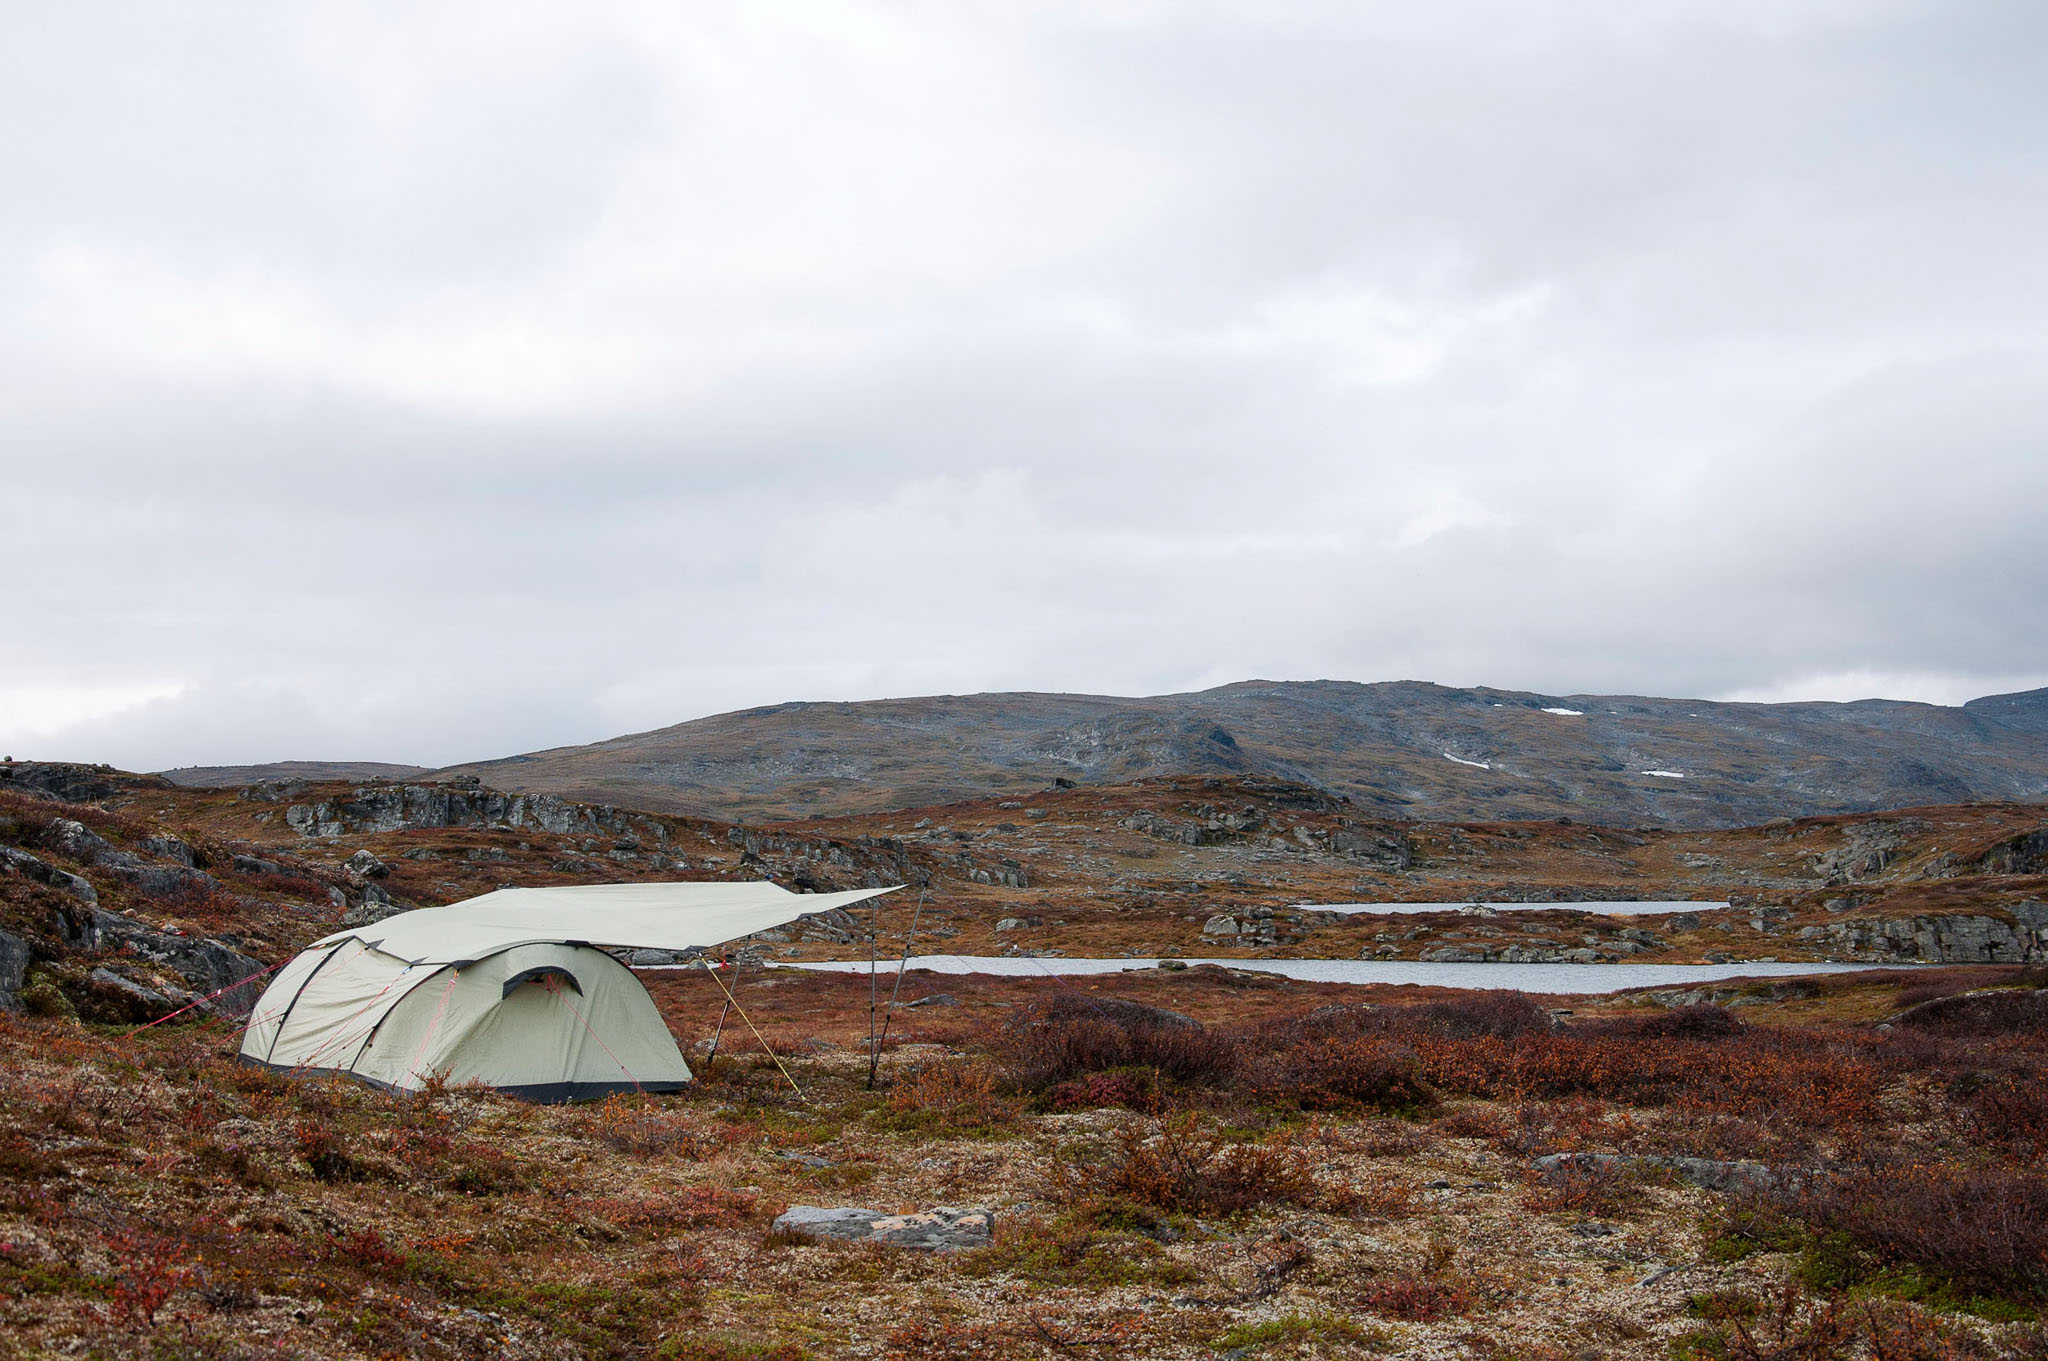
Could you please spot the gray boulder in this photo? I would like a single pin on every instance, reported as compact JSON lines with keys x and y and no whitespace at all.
{"x":375,"y":907}
{"x":817,"y":1221}
{"x":68,"y":836}
{"x":147,"y":1001}
{"x":151,"y":877}
{"x":1709,"y":1173}
{"x":170,"y":848}
{"x":206,"y":966}
{"x":365,"y":865}
{"x":60,"y":781}
{"x":14,"y":958}
{"x":19,"y":862}
{"x":936,"y":1230}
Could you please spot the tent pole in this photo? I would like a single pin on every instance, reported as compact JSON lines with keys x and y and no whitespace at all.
{"x":875,"y":1059}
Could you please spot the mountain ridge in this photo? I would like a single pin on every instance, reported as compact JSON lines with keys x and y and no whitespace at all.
{"x":1410,"y":749}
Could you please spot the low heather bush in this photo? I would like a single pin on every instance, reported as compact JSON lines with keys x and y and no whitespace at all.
{"x":1600,"y":1188}
{"x":1335,"y":1072}
{"x":1132,"y":1088}
{"x":1417,"y":1298}
{"x":1981,"y":1230}
{"x":950,"y":1097}
{"x":1981,"y":1015}
{"x":1066,"y":1038}
{"x":1703,"y":1021}
{"x":1183,"y":1168}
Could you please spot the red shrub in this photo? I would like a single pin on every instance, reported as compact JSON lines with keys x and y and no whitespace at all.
{"x":1596,"y":1186}
{"x":1984,"y":1229}
{"x":148,"y":1270}
{"x":1067,"y":1037}
{"x":1132,"y":1088}
{"x":2011,"y":1109}
{"x":1183,"y":1168}
{"x":1417,"y":1299}
{"x":367,"y":1248}
{"x":1327,"y":1072}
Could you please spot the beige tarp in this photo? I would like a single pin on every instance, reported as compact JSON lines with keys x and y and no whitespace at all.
{"x":654,"y":916}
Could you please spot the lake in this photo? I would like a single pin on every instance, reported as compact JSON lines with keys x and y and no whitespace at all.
{"x":1604,"y":909}
{"x":1572,"y":978}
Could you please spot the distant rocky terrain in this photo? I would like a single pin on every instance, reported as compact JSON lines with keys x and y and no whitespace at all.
{"x":1405,"y":750}
{"x":231,"y":777}
{"x":125,"y":896}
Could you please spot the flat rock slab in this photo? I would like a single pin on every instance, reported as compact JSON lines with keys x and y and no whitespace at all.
{"x":1710,"y":1173}
{"x":939,"y":1229}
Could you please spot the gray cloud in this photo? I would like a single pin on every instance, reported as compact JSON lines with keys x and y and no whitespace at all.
{"x":423,"y":385}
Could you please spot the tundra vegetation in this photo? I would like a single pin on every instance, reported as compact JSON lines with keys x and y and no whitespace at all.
{"x":1342,"y":1179}
{"x":1197,"y":1162}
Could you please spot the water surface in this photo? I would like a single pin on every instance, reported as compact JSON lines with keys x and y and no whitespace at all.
{"x":1565,"y":978}
{"x":1638,"y":908}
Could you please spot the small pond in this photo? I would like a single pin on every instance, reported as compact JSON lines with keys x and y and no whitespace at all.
{"x":1559,"y":978}
{"x":1605,"y":909}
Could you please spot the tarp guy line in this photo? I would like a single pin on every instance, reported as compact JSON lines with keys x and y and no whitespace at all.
{"x":758,"y":1035}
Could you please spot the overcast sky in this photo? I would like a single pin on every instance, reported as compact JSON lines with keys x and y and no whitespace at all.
{"x":433,"y":382}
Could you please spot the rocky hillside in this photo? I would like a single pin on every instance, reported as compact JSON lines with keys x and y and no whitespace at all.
{"x":1406,"y":750}
{"x":123,"y":896}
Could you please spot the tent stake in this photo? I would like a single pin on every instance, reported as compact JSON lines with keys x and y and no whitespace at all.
{"x":875,"y":1059}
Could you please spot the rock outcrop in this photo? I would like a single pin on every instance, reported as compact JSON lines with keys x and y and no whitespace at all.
{"x":1710,"y":1173}
{"x":2018,"y":937}
{"x":205,"y":966}
{"x":391,"y":808}
{"x":66,"y":782}
{"x":14,"y":962}
{"x":19,"y":862}
{"x":165,"y":875}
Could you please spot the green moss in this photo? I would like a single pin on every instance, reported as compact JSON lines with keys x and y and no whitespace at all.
{"x":1075,"y":1250}
{"x":1296,"y":1330}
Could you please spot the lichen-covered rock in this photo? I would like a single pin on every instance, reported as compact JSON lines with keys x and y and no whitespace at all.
{"x":14,"y":958}
{"x":58,"y":780}
{"x":1710,"y":1173}
{"x":20,"y":862}
{"x":153,"y":878}
{"x":171,"y":848}
{"x":206,"y":966}
{"x":940,"y":1229}
{"x":1973,"y":938}
{"x":390,"y":808}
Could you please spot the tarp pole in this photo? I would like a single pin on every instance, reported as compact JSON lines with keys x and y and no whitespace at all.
{"x":874,"y":984}
{"x":875,"y":1058}
{"x":717,"y":1031}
